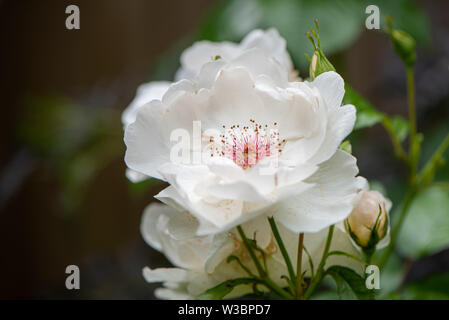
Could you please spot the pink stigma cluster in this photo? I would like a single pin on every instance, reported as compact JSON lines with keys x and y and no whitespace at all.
{"x":248,"y":145}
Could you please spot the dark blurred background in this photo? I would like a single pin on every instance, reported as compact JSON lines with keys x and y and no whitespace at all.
{"x":64,"y":198}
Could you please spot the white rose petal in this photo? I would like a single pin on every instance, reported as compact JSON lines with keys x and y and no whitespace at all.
{"x":269,"y":42}
{"x":205,"y":266}
{"x":145,"y":93}
{"x":226,"y":188}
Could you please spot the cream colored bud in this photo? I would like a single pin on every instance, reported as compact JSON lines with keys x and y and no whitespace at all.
{"x":368,"y":222}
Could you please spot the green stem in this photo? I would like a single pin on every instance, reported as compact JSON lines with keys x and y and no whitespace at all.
{"x":425,"y":177}
{"x":427,"y":172}
{"x":414,"y":147}
{"x":413,"y":158}
{"x":299,"y":287}
{"x":320,"y":273}
{"x":368,"y":259}
{"x":284,"y":252}
{"x":259,"y":268}
{"x":275,"y":288}
{"x":270,"y":284}
{"x":410,"y":196}
{"x":236,"y":259}
{"x":398,"y":150}
{"x":411,"y":101}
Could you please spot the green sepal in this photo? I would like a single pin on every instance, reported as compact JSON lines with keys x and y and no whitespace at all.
{"x":346,"y":146}
{"x":318,"y":63}
{"x":403,"y":44}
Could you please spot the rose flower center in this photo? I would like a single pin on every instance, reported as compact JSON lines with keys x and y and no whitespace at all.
{"x":247,"y":145}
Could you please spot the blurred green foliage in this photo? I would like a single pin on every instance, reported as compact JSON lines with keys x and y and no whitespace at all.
{"x":390,"y":277}
{"x":341,"y":22}
{"x":400,"y":127}
{"x":367,"y":115}
{"x":434,"y":287}
{"x":75,"y":141}
{"x":426,"y":229}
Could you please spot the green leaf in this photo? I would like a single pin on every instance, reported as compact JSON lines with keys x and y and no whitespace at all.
{"x":367,"y":115}
{"x":346,"y":146}
{"x":220,"y":291}
{"x":434,"y":287}
{"x":350,"y":284}
{"x":400,"y":127}
{"x":426,"y":229}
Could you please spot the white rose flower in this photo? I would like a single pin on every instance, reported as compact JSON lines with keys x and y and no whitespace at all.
{"x":269,"y":42}
{"x":251,"y":117}
{"x":200,"y":261}
{"x":144,"y":94}
{"x":192,"y":59}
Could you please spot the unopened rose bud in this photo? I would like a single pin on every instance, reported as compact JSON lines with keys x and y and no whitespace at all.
{"x":403,"y":44}
{"x":319,"y":63}
{"x":368,"y":222}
